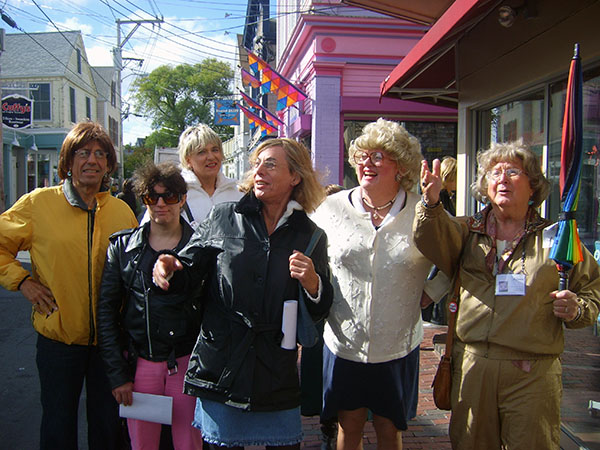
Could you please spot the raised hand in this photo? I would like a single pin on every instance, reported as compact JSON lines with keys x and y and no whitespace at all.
{"x":303,"y":270}
{"x":431,"y":182}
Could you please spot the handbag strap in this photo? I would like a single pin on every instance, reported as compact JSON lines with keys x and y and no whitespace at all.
{"x":453,"y":309}
{"x":313,"y":241}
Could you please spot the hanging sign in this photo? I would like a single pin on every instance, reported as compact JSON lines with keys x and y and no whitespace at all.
{"x":17,"y":111}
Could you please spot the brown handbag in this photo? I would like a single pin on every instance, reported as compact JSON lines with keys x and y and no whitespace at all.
{"x":442,"y":382}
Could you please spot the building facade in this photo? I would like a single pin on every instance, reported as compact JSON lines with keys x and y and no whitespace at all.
{"x":52,"y":69}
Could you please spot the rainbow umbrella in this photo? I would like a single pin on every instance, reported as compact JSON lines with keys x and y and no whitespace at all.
{"x":566,"y":249}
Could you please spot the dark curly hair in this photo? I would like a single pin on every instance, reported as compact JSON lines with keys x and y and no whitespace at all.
{"x":166,"y":173}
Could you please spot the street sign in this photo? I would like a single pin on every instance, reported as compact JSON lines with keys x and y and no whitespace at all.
{"x":17,"y":111}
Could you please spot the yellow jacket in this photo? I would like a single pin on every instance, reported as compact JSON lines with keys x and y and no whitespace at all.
{"x":67,"y":243}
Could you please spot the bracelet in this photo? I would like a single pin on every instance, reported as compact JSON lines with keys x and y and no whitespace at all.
{"x":430,"y":206}
{"x":23,"y":281}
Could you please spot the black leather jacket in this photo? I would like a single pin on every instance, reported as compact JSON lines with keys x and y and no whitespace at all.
{"x":238,"y":359}
{"x":133,"y":317}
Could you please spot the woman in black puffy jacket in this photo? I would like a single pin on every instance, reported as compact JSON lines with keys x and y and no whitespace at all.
{"x":146,"y":339}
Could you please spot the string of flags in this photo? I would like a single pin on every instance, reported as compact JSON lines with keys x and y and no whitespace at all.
{"x":270,"y":82}
{"x":254,"y":120}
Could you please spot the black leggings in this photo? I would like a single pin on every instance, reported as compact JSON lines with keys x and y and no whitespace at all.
{"x":209,"y":446}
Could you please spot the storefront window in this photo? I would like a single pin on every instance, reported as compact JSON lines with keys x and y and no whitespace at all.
{"x":587,"y":210}
{"x":524,"y":118}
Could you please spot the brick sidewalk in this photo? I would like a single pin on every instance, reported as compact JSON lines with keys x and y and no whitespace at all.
{"x":429,"y":430}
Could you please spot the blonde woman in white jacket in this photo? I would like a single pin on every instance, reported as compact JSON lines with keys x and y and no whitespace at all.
{"x":201,"y":155}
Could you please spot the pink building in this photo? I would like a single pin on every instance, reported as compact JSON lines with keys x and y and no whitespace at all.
{"x":339,"y":55}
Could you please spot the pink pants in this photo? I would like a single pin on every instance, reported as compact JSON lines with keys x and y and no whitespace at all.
{"x":153,"y":378}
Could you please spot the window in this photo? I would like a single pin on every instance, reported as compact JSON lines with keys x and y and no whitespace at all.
{"x":88,"y":107}
{"x":113,"y":93}
{"x":526,"y":118}
{"x":113,"y":131}
{"x":40,"y":93}
{"x":78,"y":61}
{"x":72,"y":103}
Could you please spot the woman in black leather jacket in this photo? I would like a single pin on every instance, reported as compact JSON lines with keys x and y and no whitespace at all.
{"x":246,"y":383}
{"x":153,"y":333}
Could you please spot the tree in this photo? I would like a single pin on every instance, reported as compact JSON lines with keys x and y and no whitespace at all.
{"x":136,"y":157}
{"x":180,"y":96}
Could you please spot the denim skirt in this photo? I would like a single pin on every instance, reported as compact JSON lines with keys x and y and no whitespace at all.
{"x":232,"y":427}
{"x":389,"y":389}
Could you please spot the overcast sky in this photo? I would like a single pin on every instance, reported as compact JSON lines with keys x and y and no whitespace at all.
{"x":192,"y":31}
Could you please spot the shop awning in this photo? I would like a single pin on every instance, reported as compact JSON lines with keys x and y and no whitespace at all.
{"x":423,"y":12}
{"x":428,"y":72}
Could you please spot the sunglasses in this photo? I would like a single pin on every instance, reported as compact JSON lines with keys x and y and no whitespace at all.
{"x":168,"y":197}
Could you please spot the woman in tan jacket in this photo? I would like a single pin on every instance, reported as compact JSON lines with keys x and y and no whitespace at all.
{"x":506,"y":385}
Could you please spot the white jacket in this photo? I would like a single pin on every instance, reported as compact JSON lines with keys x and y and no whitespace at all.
{"x":199,"y":201}
{"x":378,"y":278}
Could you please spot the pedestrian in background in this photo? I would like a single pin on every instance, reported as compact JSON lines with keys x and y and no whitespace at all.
{"x":160,"y":330}
{"x":128,"y":196}
{"x":65,"y":228}
{"x":373,"y":332}
{"x":506,"y":370}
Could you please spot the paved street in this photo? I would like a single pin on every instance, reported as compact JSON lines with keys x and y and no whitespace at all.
{"x":19,"y":394}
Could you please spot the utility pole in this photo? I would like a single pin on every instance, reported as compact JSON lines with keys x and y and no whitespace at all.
{"x":2,"y":202}
{"x":118,"y":63}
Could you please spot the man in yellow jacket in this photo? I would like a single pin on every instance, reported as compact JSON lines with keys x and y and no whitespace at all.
{"x":66,"y":228}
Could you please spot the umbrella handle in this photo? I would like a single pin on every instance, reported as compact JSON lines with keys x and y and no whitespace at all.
{"x":563,"y":282}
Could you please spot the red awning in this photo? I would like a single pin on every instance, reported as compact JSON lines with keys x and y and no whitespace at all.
{"x":424,"y":12}
{"x":428,"y":72}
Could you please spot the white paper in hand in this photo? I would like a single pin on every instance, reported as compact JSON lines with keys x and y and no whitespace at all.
{"x":149,"y":407}
{"x":288,"y":324}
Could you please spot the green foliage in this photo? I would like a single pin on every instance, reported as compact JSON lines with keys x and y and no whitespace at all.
{"x":180,"y":96}
{"x":137,"y":158}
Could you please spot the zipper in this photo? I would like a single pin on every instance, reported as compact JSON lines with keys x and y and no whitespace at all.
{"x":147,"y":307}
{"x":90,"y":235}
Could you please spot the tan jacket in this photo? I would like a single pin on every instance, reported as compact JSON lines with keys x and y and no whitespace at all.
{"x":520,"y":326}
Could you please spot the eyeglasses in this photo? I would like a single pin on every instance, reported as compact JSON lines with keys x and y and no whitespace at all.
{"x":267,"y":164}
{"x":85,"y":153}
{"x":511,"y":172}
{"x":376,"y":158}
{"x":168,"y":197}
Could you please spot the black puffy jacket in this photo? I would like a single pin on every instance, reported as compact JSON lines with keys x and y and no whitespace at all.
{"x":132,"y":317}
{"x":238,"y":359}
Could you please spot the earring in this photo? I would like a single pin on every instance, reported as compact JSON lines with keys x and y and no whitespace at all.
{"x":530,"y":202}
{"x":69,"y":173}
{"x":106,"y":176}
{"x":398,"y":177}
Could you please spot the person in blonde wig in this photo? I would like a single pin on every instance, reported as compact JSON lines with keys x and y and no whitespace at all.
{"x":247,"y":384}
{"x":373,"y":332}
{"x":201,"y":156}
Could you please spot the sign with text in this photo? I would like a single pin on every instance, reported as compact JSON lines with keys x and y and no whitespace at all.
{"x":226,"y":112}
{"x":17,"y":111}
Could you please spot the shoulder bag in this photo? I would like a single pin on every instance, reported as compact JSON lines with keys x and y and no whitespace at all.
{"x":442,"y":382}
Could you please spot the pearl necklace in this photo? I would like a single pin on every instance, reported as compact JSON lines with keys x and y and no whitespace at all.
{"x":374,"y":214}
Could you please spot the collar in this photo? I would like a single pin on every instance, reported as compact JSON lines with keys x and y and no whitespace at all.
{"x":75,"y":199}
{"x":140,"y":235}
{"x":249,"y":204}
{"x":477,"y":223}
{"x":397,"y":206}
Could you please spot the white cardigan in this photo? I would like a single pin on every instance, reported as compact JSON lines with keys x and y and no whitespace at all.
{"x":378,"y":278}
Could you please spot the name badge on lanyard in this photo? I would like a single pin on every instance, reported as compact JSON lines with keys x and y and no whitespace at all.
{"x":510,"y":284}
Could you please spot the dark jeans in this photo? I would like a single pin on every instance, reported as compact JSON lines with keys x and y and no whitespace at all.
{"x":62,"y":369}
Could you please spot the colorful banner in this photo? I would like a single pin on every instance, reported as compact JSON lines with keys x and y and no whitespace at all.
{"x":271,"y":118}
{"x":257,"y":121}
{"x":256,"y":64}
{"x":249,"y":80}
{"x":225,"y":112}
